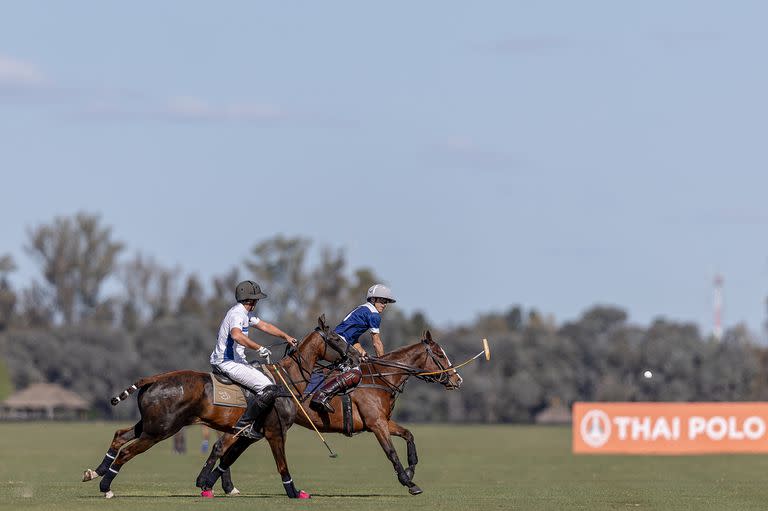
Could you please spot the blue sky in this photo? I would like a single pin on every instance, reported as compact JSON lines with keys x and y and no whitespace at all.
{"x":552,"y":154}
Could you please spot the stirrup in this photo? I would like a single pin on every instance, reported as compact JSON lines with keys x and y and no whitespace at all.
{"x":322,"y":405}
{"x":249,"y":432}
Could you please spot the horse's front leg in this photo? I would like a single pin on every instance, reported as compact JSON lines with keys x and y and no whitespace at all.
{"x":275,"y":431}
{"x":218,"y":450}
{"x":381,"y":430}
{"x":413,"y":458}
{"x":231,"y":452}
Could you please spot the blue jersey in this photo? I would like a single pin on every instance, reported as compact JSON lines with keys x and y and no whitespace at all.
{"x":363,"y":318}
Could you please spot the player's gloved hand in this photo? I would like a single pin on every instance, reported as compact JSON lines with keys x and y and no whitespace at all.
{"x":253,"y":320}
{"x":264,"y":352}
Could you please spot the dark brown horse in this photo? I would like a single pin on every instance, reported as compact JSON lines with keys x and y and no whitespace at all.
{"x":170,"y":401}
{"x":372,"y":403}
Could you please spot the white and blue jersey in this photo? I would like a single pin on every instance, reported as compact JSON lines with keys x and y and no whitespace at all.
{"x":227,"y":349}
{"x":361,"y":320}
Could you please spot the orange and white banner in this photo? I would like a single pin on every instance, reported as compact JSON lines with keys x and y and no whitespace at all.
{"x":670,"y":428}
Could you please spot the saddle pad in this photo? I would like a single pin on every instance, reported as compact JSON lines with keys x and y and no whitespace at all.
{"x":233,"y":394}
{"x":227,"y":395}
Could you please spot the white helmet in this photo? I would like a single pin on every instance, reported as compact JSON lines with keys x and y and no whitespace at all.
{"x":380,"y":291}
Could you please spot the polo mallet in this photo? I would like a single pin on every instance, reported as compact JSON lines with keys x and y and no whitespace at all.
{"x":276,"y":368}
{"x":486,"y":351}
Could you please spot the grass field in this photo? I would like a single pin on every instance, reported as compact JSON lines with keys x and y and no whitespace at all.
{"x":466,"y":467}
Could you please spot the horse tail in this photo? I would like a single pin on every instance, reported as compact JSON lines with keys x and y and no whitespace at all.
{"x":133,"y":388}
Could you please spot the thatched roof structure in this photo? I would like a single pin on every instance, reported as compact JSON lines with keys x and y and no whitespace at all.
{"x":555,"y":413}
{"x":43,"y":400}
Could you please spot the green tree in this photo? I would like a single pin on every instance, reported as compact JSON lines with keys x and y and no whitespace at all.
{"x":222,"y":297}
{"x":192,"y":302}
{"x":150,"y":290}
{"x":328,"y":286}
{"x":278,"y":265}
{"x":76,"y":255}
{"x":7,"y":295}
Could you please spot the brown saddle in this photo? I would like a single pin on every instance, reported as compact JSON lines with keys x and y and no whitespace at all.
{"x":227,"y":392}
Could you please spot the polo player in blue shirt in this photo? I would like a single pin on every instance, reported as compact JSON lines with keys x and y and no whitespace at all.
{"x":364,"y":318}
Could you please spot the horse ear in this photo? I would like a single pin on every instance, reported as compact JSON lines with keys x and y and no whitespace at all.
{"x":428,"y":336}
{"x":321,"y":322}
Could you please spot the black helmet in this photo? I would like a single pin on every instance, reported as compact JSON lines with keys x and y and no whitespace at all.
{"x":248,"y":290}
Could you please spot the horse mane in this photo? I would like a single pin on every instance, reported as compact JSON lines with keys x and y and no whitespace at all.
{"x":399,"y":351}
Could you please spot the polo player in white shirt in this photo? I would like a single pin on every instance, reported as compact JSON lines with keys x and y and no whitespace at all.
{"x":229,"y":355}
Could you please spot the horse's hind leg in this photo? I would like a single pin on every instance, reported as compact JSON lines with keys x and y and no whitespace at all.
{"x":143,"y":443}
{"x":230,"y":455}
{"x":219,"y":448}
{"x":413,"y":458}
{"x":226,"y":483}
{"x":381,"y":430}
{"x":122,"y":437}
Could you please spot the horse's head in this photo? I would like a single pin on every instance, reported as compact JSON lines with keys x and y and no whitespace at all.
{"x":437,"y":362}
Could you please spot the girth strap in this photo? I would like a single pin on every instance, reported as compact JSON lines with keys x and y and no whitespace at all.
{"x":349,"y":421}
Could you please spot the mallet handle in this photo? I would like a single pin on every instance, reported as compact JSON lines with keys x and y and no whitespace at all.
{"x":276,"y":368}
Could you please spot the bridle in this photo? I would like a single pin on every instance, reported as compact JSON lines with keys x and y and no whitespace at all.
{"x":442,"y":376}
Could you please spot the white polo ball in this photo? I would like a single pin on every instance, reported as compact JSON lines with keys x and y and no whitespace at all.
{"x":648,"y":375}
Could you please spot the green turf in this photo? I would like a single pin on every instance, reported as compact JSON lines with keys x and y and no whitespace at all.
{"x":467,"y":467}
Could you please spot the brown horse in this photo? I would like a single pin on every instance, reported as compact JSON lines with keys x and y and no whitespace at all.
{"x":372,"y":403}
{"x":170,"y":401}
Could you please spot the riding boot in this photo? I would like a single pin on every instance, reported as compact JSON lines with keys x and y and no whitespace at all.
{"x":342,"y":382}
{"x":251,"y":422}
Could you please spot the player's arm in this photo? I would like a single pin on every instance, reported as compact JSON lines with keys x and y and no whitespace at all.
{"x":272,"y":330}
{"x":378,"y":346}
{"x":360,"y":349}
{"x":240,"y":338}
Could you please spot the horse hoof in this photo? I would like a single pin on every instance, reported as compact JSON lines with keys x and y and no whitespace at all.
{"x":304,"y":495}
{"x":415,"y":490}
{"x":109,"y":494}
{"x":234,"y":492}
{"x":89,"y":475}
{"x":207,"y":494}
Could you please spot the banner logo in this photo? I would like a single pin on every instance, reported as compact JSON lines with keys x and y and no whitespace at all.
{"x":596,"y":428}
{"x":670,"y":428}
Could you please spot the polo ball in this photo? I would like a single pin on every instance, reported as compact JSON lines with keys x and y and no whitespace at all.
{"x":648,"y":375}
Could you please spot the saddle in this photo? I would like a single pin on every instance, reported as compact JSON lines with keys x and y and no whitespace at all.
{"x":227,"y":392}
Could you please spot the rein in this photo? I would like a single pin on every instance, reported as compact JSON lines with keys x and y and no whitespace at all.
{"x":306,"y":374}
{"x":407,"y":371}
{"x":417,"y":371}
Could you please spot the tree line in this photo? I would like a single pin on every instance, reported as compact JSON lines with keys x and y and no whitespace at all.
{"x":63,"y":328}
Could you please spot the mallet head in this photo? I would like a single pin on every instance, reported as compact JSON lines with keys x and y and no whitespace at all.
{"x":486,"y":349}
